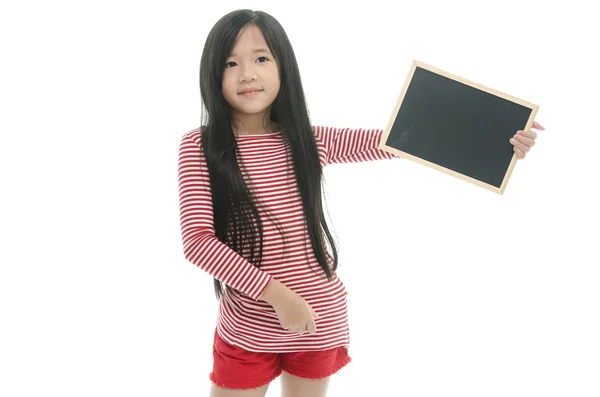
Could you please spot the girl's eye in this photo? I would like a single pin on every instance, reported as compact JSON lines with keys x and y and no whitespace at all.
{"x":232,"y":64}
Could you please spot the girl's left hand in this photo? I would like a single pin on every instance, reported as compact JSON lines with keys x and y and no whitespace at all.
{"x":523,"y":141}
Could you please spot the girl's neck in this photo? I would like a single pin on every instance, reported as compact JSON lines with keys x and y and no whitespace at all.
{"x":257,"y":127}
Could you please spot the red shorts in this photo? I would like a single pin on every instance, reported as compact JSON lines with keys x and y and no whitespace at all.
{"x":236,"y":368}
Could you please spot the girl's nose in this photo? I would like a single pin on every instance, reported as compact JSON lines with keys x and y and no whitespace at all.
{"x":248,"y":74}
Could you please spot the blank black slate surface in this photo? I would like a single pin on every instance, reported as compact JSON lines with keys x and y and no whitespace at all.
{"x":457,"y":126}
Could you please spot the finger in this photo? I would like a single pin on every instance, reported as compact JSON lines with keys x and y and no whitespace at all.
{"x":315,"y":314}
{"x":312,"y":328}
{"x":528,"y":134}
{"x":520,"y":153}
{"x":538,"y":126}
{"x":519,"y":145}
{"x":524,"y":140}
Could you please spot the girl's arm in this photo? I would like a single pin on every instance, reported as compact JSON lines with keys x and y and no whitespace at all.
{"x":200,"y":245}
{"x":345,"y":145}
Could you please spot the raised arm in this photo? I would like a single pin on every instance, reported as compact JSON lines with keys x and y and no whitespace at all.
{"x":346,"y":145}
{"x":200,"y":245}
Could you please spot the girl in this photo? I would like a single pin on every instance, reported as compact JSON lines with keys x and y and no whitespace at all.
{"x":252,"y":217}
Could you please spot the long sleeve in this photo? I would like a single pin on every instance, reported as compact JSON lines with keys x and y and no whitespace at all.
{"x":200,"y":245}
{"x":345,"y":145}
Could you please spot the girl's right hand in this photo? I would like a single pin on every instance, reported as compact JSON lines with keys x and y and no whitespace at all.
{"x":293,"y":312}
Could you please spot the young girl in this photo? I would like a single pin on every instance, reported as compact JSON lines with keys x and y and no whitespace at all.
{"x":252,"y":217}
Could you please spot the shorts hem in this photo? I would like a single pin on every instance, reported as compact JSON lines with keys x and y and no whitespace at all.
{"x":243,"y":385}
{"x":306,"y":375}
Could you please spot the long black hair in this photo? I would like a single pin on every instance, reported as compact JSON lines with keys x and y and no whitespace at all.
{"x":236,"y":218}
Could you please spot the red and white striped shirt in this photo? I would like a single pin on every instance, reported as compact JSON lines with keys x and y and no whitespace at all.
{"x":244,"y":320}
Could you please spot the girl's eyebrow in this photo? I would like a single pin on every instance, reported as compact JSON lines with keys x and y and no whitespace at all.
{"x":258,"y":50}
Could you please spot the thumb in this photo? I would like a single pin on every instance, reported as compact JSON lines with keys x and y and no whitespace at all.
{"x":315,"y":314}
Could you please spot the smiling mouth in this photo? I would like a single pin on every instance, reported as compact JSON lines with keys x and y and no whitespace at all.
{"x":252,"y":92}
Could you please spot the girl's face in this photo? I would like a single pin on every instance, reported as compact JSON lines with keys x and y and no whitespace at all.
{"x":251,"y":76}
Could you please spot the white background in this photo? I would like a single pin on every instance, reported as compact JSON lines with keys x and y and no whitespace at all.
{"x":457,"y":292}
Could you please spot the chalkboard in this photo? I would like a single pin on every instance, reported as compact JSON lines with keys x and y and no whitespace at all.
{"x":457,"y":126}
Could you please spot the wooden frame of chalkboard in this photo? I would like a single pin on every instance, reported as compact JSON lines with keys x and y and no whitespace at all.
{"x":457,"y":126}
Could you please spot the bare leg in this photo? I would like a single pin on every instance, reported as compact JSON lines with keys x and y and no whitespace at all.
{"x":293,"y":386}
{"x":217,"y":391}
